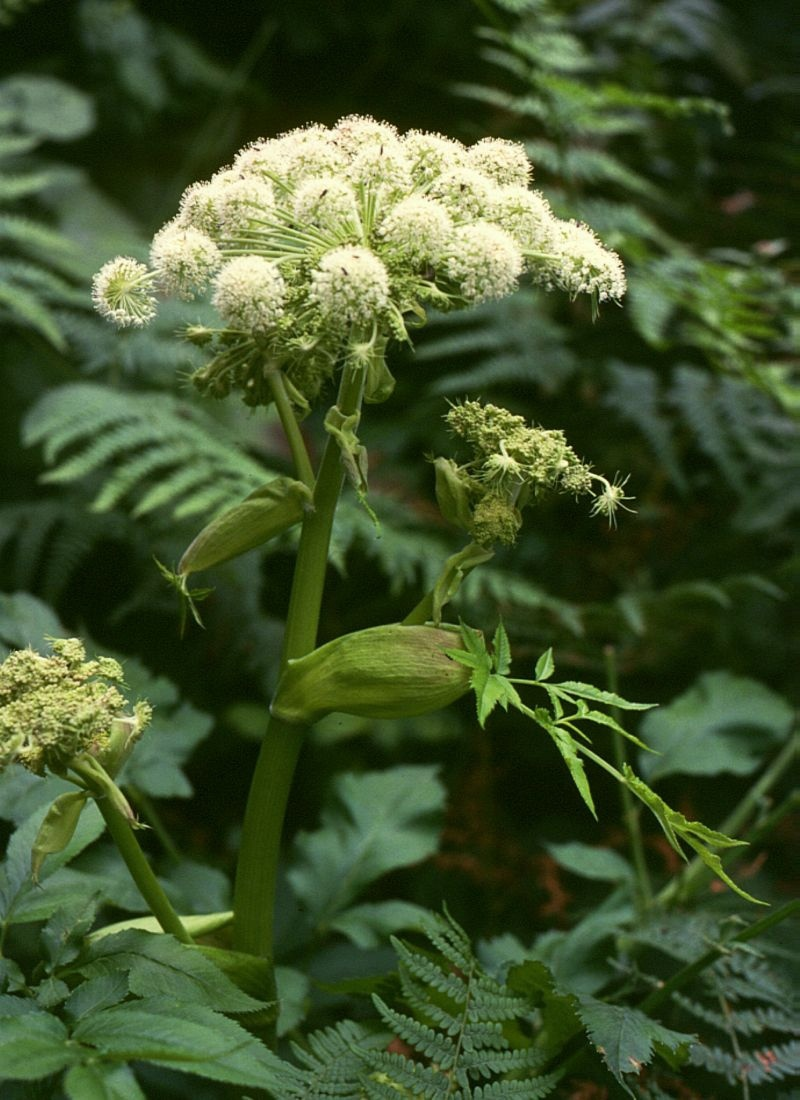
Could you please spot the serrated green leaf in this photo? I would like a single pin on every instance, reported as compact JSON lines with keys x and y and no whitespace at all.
{"x":20,"y":900}
{"x":182,"y":1036}
{"x":159,"y":965}
{"x":723,"y":723}
{"x":545,"y":666}
{"x":677,"y":828}
{"x":33,"y":1046}
{"x":597,"y":695}
{"x":373,"y":823}
{"x":565,"y":744}
{"x":96,"y":994}
{"x":501,"y":651}
{"x":156,"y":764}
{"x":99,"y":1081}
{"x":626,"y":1038}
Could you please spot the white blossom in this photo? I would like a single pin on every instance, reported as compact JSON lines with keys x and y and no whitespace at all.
{"x":326,"y":201}
{"x":484,"y":261}
{"x":432,"y":154}
{"x":504,"y":162}
{"x":183,"y":259}
{"x":582,"y":265}
{"x":249,"y":293}
{"x":466,"y":193}
{"x":122,"y":292}
{"x":526,"y":215}
{"x":350,"y":285}
{"x":418,"y":228}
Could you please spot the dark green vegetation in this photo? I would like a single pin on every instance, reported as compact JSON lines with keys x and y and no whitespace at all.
{"x":667,"y":127}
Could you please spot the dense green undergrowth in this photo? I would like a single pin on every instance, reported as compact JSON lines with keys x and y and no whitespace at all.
{"x":451,"y":919}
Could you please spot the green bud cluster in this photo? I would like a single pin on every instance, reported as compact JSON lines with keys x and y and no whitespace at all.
{"x":510,"y":465}
{"x":324,"y":237}
{"x":55,"y":708}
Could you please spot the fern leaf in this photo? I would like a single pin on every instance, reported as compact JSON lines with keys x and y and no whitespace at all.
{"x":170,"y":453}
{"x":29,"y":309}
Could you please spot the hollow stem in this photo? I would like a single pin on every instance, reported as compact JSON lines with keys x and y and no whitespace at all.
{"x":256,"y":874}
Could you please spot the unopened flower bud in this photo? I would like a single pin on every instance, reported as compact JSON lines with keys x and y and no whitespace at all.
{"x":391,"y":671}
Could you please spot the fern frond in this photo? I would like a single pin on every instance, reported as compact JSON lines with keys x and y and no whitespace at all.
{"x":44,"y":542}
{"x":756,"y":1067}
{"x":636,"y":396}
{"x":147,"y":438}
{"x":28,"y":308}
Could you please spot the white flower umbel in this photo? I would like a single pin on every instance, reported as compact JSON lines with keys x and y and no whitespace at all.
{"x":249,"y":293}
{"x":417,"y":229}
{"x":241,"y":201}
{"x":526,"y":215}
{"x":122,"y":292}
{"x":327,"y":201}
{"x":432,"y":154}
{"x":484,"y":262}
{"x":582,"y":265}
{"x":353,"y":133}
{"x":350,"y":286}
{"x":465,"y":192}
{"x":504,"y":162}
{"x":184,"y":259}
{"x":369,"y":230}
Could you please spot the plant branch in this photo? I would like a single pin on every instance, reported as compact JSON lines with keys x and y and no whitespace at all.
{"x":302,"y":463}
{"x":141,"y":871}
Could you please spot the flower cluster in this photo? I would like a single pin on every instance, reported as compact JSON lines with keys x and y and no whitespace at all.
{"x":510,"y":465}
{"x":324,"y":237}
{"x":52,"y":709}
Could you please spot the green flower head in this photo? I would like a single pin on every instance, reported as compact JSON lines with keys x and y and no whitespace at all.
{"x":511,"y":464}
{"x":54,"y":708}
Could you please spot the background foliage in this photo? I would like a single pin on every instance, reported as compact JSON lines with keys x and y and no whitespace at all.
{"x":668,"y":127}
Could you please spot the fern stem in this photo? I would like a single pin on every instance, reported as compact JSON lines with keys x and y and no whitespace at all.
{"x":302,"y":463}
{"x":141,"y":871}
{"x":256,"y":874}
{"x":696,"y":873}
{"x":631,"y":815}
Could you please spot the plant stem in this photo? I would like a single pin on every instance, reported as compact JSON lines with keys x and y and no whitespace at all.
{"x":302,"y":463}
{"x":630,"y":810}
{"x":665,"y":991}
{"x":256,"y":874}
{"x":141,"y":871}
{"x":696,"y":872}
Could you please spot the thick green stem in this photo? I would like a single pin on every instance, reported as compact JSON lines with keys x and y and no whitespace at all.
{"x":257,"y":868}
{"x":141,"y":871}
